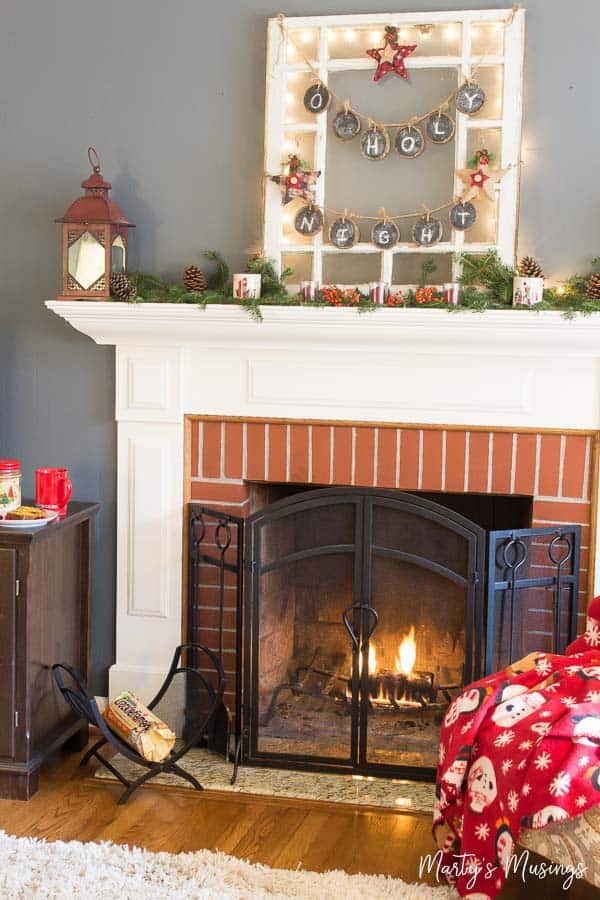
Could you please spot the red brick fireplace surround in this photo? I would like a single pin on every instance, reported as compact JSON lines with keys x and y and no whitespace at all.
{"x":224,"y":456}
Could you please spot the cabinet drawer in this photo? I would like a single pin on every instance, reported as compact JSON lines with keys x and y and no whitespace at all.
{"x":8,"y":598}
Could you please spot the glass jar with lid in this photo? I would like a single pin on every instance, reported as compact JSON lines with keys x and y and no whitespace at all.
{"x":10,"y":486}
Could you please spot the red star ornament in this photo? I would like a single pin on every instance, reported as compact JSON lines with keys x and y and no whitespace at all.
{"x":479,"y":178}
{"x":297,"y":183}
{"x":390,"y":57}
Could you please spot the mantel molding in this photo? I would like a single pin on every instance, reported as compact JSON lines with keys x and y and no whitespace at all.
{"x":506,"y":332}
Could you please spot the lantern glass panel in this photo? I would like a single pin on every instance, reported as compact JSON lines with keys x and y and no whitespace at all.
{"x":86,"y":260}
{"x":117,"y":255}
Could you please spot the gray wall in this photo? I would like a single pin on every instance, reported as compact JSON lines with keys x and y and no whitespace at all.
{"x":171,"y":95}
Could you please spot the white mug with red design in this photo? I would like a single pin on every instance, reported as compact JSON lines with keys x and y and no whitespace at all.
{"x":246,"y":286}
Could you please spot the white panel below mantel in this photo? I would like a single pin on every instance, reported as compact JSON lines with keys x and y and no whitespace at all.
{"x":499,"y":368}
{"x":403,"y":388}
{"x":409,"y":387}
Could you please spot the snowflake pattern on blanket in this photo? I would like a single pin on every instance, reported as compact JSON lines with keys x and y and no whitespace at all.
{"x":518,"y":749}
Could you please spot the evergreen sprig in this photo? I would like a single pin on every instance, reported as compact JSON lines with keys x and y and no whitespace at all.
{"x":473,"y":161}
{"x":153,"y":289}
{"x":273,"y":287}
{"x":428,"y":267}
{"x":220,"y":278}
{"x":488,"y":272}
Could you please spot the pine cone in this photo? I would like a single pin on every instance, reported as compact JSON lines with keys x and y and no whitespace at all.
{"x":194,"y":279}
{"x":120,"y":287}
{"x":593,"y":287}
{"x":530,"y":268}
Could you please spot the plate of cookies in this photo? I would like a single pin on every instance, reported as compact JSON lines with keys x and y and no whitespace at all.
{"x":27,"y":517}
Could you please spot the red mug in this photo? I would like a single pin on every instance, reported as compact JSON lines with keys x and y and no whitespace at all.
{"x":53,"y":489}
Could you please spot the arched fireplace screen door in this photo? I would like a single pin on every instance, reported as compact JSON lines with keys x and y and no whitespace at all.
{"x":363,"y":620}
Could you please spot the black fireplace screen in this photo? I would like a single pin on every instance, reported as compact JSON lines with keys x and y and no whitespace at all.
{"x":364,"y":615}
{"x":533,"y":583}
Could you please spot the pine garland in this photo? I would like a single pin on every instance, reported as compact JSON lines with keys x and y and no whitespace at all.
{"x":153,"y":289}
{"x":486,"y":284}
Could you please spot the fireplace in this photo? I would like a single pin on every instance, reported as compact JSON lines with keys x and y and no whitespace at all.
{"x":411,"y":400}
{"x":365,"y":612}
{"x":362,"y":621}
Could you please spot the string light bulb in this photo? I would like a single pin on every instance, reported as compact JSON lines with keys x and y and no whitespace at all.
{"x":403,"y":33}
{"x":350,"y":35}
{"x":374,"y":36}
{"x":306,"y":37}
{"x":291,"y":50}
{"x":561,"y":289}
{"x":331,"y":36}
{"x":450,"y":32}
{"x":289,"y":98}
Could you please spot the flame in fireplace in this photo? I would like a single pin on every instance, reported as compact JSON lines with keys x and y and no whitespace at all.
{"x":372,"y":665}
{"x":371,"y":662}
{"x":407,"y":654}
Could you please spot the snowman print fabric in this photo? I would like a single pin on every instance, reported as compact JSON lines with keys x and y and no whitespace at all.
{"x":518,"y":749}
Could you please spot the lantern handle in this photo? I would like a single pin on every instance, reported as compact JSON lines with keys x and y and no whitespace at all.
{"x":94,"y":159}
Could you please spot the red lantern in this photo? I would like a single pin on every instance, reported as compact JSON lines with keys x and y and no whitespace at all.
{"x":94,"y":240}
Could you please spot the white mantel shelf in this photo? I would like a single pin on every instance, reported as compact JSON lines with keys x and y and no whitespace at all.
{"x":498,"y":369}
{"x":507,"y":331}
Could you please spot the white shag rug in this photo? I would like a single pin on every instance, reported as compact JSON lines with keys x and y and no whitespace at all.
{"x":62,"y":871}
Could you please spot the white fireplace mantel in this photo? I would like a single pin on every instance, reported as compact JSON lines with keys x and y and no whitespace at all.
{"x":506,"y":331}
{"x":499,"y":368}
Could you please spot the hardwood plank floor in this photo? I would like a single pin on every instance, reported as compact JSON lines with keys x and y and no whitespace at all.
{"x":70,"y":805}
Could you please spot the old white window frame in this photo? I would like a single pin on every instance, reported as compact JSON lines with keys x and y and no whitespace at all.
{"x":509,"y":124}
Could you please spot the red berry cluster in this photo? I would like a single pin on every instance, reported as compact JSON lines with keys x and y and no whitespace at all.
{"x":396,"y":299}
{"x":335,"y":296}
{"x":425,"y":295}
{"x":351,"y":296}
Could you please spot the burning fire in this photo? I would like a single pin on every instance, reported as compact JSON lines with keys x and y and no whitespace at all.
{"x":400,"y":687}
{"x":372,"y":660}
{"x":407,"y":654}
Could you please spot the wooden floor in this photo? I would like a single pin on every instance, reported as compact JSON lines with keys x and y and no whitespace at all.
{"x":286,"y":834}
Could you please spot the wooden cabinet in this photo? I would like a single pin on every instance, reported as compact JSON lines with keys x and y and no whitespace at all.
{"x":45,"y":599}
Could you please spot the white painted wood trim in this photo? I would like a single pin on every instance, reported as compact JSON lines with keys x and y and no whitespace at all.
{"x":177,"y":327}
{"x":460,"y":140}
{"x":359,"y":63}
{"x":512,"y":115}
{"x":365,"y":20}
{"x":149,"y":552}
{"x":320,"y":156}
{"x":274,"y":124}
{"x":402,"y":247}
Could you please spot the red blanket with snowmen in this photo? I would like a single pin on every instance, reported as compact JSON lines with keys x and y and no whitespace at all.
{"x":518,"y":749}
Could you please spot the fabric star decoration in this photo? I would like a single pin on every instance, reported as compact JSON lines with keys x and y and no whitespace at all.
{"x":298,"y":183}
{"x":479,"y":179}
{"x":390,"y":57}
